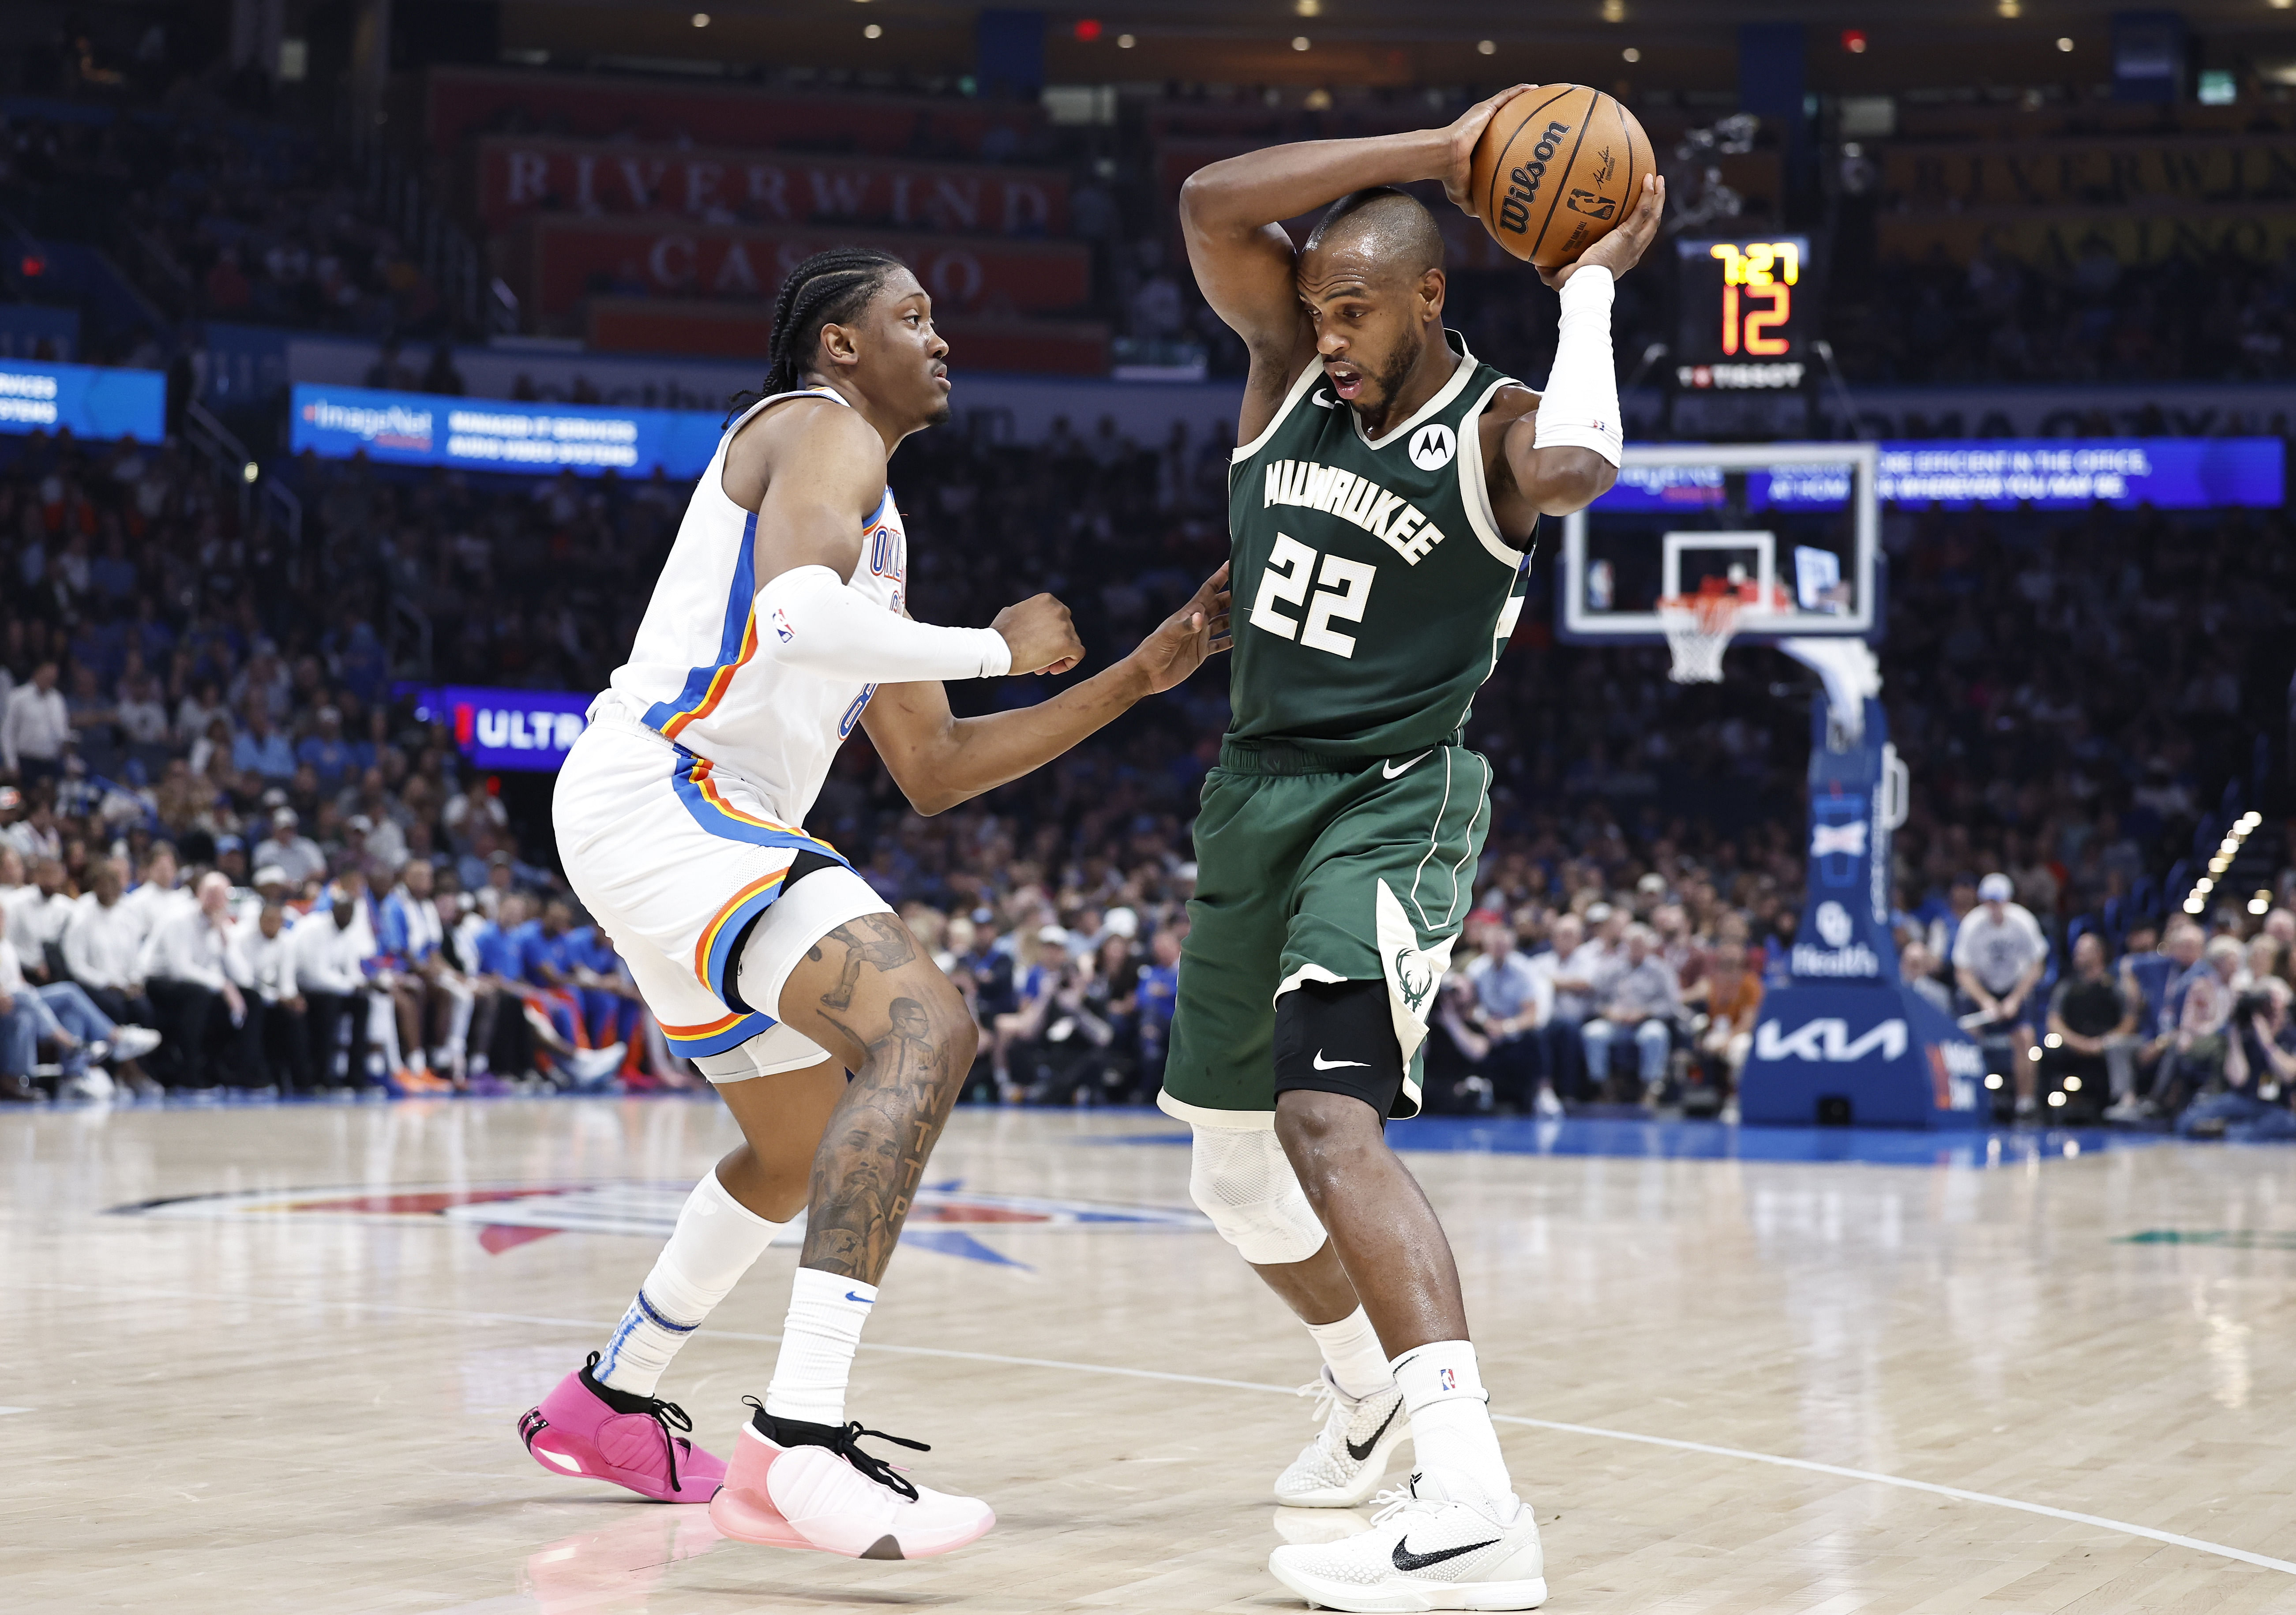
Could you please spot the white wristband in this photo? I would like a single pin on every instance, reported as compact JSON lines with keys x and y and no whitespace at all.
{"x":1580,"y":408}
{"x":810,"y":622}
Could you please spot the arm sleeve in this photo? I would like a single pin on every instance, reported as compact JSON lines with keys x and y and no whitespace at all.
{"x":810,"y":622}
{"x":1580,"y":408}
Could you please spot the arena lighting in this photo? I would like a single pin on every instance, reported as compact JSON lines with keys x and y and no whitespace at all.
{"x":2072,"y":1085}
{"x":1993,"y":1079}
{"x":2194,"y":906}
{"x":1614,"y":10}
{"x":2011,"y":9}
{"x":249,"y":471}
{"x":2057,"y":1101}
{"x":701,"y":18}
{"x":1309,"y":8}
{"x":1853,"y":40}
{"x":2204,"y":886}
{"x":1487,"y":47}
{"x":2054,"y":1041}
{"x":1087,"y":29}
{"x":1124,"y":42}
{"x":1631,"y":55}
{"x":2261,"y":904}
{"x":873,"y":31}
{"x":1299,"y":42}
{"x":2034,"y":1053}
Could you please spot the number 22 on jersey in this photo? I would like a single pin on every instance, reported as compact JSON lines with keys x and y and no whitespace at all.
{"x":1342,"y":588}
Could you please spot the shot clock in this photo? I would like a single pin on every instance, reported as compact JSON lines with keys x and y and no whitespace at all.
{"x":1749,"y":311}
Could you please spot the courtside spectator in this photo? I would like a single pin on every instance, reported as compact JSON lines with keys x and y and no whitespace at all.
{"x":2086,"y":1010}
{"x":103,"y":953}
{"x":1998,"y":956}
{"x":1641,"y":1003}
{"x":1511,"y":1001}
{"x":35,"y":728}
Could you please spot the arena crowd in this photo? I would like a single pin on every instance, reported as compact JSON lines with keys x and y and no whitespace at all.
{"x":225,"y":826}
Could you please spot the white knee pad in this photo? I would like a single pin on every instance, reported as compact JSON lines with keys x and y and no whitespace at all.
{"x":1240,"y":1178}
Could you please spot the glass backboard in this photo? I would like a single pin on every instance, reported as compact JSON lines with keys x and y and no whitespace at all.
{"x":1791,"y":529}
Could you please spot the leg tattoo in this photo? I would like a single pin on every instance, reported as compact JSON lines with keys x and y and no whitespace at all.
{"x":874,"y":1153}
{"x":879,"y":941}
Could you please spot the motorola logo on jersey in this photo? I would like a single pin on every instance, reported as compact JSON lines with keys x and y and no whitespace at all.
{"x":1432,"y":447}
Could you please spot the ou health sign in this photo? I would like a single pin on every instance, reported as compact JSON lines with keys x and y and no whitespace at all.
{"x":508,"y":729}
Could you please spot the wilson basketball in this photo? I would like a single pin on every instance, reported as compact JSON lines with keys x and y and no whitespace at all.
{"x":1556,"y":170}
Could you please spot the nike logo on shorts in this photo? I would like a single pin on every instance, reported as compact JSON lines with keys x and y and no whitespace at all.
{"x":1322,"y":1064}
{"x":1405,"y":1560}
{"x":864,"y":1300}
{"x":1396,"y":771}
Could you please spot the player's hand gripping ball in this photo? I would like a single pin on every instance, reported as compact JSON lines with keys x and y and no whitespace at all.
{"x":1557,"y":169}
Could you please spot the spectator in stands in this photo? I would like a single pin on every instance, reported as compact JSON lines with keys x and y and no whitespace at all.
{"x":37,"y":913}
{"x":195,"y":972}
{"x":1998,"y":956}
{"x":104,"y":951}
{"x":2202,"y":1043}
{"x":36,"y":728}
{"x":262,"y":748}
{"x":432,"y":1004}
{"x":1917,"y":968}
{"x":290,"y":851}
{"x":2086,"y":1010}
{"x":1567,"y":970}
{"x":1733,"y":1003}
{"x":1639,"y":1001}
{"x":1153,"y":1000}
{"x":1512,"y":1002}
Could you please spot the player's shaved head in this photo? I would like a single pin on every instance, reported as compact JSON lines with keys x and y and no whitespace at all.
{"x":1384,"y":226}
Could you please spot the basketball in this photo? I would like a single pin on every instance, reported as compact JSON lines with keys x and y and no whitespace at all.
{"x":1556,"y":170}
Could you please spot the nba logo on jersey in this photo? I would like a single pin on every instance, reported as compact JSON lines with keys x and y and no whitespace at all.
{"x":1450,"y":1380}
{"x":782,"y":629}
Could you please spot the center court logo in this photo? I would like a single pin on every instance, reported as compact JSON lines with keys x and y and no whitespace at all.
{"x":942,"y":1219}
{"x":1432,"y":447}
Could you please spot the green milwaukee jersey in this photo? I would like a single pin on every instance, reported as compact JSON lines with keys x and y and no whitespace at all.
{"x":1372,"y":588}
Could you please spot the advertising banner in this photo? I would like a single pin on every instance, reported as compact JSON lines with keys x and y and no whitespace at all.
{"x":2046,"y":473}
{"x":489,"y":435}
{"x":520,"y":174}
{"x":83,"y":400}
{"x":508,"y":729}
{"x":569,"y":258}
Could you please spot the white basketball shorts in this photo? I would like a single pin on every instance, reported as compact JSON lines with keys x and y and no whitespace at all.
{"x":673,"y":858}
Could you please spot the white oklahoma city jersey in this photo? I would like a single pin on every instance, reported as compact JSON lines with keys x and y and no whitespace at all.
{"x":694,"y":676}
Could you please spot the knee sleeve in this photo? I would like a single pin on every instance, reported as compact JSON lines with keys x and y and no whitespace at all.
{"x":1241,"y":1179}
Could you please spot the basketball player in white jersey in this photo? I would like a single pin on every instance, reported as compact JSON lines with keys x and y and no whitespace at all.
{"x":780,"y":623}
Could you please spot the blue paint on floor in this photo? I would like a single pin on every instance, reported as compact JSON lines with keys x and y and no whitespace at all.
{"x":1720,"y":1140}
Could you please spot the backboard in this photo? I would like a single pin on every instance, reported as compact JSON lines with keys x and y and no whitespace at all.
{"x":1791,"y":528}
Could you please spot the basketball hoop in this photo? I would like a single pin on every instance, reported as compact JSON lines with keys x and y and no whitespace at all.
{"x":1698,"y":629}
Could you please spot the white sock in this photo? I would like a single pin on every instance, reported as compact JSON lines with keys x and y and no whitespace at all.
{"x":1352,"y":1352}
{"x":716,"y":1241}
{"x":818,"y":1339}
{"x":1451,"y":1421}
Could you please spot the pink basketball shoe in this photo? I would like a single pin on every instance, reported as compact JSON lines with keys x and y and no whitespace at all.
{"x":809,"y":1486}
{"x":583,"y":1428}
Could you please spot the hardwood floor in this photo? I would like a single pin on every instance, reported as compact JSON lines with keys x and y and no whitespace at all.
{"x":269,"y":1358}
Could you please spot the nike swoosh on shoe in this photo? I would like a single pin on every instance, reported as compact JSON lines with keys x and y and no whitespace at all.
{"x":1405,"y":1560}
{"x":1360,"y":1452}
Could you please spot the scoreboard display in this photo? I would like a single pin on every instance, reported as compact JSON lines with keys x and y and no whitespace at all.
{"x":1749,"y":311}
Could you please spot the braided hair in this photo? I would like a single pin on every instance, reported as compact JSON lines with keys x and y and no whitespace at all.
{"x":828,"y":289}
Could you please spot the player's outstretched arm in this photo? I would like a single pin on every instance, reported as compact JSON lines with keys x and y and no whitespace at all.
{"x":939,"y":760}
{"x":1229,"y":213}
{"x":1565,"y":456}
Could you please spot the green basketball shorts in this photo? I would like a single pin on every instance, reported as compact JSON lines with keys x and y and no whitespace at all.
{"x":1313,"y":869}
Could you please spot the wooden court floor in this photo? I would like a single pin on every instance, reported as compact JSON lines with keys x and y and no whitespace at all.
{"x":268,"y":1359}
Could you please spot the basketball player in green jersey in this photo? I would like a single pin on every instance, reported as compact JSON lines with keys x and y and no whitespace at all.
{"x":1380,"y":507}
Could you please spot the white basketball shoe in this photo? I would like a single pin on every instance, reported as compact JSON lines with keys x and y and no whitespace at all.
{"x":1340,"y":1468}
{"x":791,"y":1484}
{"x":1437,"y":1544}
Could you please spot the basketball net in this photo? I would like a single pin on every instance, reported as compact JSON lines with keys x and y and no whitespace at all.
{"x":1698,"y":629}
